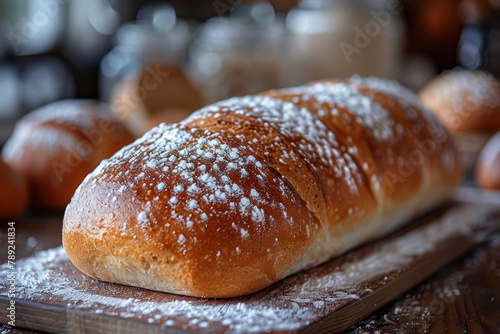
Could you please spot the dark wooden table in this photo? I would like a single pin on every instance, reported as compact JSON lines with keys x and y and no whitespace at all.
{"x":464,"y":296}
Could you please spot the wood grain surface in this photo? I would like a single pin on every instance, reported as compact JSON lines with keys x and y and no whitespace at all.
{"x":310,"y":306}
{"x":463,"y":297}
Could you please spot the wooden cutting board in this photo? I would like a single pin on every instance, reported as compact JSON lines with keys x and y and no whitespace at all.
{"x":52,"y":295}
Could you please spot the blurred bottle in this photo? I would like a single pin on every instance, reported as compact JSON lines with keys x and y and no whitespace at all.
{"x":479,"y":46}
{"x":32,"y":27}
{"x":157,"y":35}
{"x":241,"y":54}
{"x":340,"y":37}
{"x":434,"y":30}
{"x":33,"y":70}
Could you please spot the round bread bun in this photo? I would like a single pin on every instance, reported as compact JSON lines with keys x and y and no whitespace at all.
{"x":15,"y":195}
{"x":465,"y":100}
{"x":488,"y":164}
{"x":160,"y":93}
{"x":57,"y":145}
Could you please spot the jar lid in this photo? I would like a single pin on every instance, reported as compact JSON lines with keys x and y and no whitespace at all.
{"x":332,"y":4}
{"x":145,"y":38}
{"x":320,"y":4}
{"x":157,"y":31}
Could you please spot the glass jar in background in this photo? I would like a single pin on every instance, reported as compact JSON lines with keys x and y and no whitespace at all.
{"x":479,"y":46}
{"x":157,"y":35}
{"x":28,"y":83}
{"x":239,"y":55}
{"x":336,"y":38}
{"x":32,"y":27}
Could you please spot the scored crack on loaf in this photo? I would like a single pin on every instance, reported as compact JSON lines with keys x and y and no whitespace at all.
{"x":252,"y":189}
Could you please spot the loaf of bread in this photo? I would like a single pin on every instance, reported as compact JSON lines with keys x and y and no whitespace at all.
{"x":252,"y":189}
{"x":465,"y":100}
{"x":56,"y":146}
{"x":15,"y":193}
{"x":488,"y":164}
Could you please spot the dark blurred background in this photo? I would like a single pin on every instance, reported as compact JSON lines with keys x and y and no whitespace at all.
{"x":54,"y":49}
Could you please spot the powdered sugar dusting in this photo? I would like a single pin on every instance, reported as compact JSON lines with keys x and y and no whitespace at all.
{"x":477,"y":91}
{"x":371,"y":115}
{"x":75,"y":112}
{"x":142,"y":217}
{"x":204,"y":177}
{"x":313,"y":139}
{"x":406,"y":97}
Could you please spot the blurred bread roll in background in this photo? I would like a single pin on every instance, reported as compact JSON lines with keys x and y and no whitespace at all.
{"x":160,"y":93}
{"x":468,"y":103}
{"x":56,"y":146}
{"x":465,"y":100}
{"x":488,"y":164}
{"x":15,"y":193}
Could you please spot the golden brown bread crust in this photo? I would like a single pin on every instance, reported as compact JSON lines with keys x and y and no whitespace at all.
{"x":488,"y":164}
{"x":15,"y":193}
{"x":252,"y":189}
{"x":56,"y":146}
{"x":465,"y":100}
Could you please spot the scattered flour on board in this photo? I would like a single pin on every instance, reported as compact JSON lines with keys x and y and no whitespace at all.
{"x":300,"y":300}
